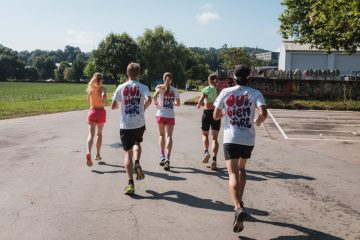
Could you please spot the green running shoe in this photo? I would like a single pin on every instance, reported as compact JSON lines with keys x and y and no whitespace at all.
{"x":129,"y":189}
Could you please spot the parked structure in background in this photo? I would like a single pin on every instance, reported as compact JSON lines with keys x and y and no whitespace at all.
{"x":301,"y":57}
{"x":268,"y":56}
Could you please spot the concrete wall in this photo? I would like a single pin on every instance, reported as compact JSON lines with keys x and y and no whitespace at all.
{"x":315,"y":89}
{"x":318,"y":60}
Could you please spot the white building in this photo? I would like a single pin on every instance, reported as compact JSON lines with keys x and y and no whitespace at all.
{"x":302,"y":56}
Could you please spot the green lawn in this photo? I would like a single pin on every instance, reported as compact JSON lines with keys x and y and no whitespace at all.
{"x":28,"y":99}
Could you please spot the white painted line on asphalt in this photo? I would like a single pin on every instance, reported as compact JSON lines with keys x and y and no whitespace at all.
{"x":319,"y":123}
{"x":277,"y":125}
{"x":324,"y":139}
{"x":318,"y":130}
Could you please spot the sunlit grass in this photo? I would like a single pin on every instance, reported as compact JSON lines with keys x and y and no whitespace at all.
{"x":28,"y":99}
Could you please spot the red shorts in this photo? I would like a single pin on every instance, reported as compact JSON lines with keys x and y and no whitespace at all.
{"x":96,"y":115}
{"x":164,"y":120}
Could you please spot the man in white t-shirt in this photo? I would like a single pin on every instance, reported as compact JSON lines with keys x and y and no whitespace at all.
{"x":134,"y":98}
{"x":238,"y":104}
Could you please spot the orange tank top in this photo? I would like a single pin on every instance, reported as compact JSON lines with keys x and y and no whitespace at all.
{"x":95,"y":98}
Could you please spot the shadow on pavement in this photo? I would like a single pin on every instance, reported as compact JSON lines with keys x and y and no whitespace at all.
{"x":187,"y":199}
{"x":147,"y":173}
{"x":276,"y":174}
{"x":115,"y":145}
{"x":221,"y":172}
{"x":309,"y":233}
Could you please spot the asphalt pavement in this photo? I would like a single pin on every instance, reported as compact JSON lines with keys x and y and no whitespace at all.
{"x":295,"y":190}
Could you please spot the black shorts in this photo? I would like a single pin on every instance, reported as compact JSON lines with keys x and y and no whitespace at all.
{"x":236,"y":151}
{"x":208,"y":121}
{"x":130,"y":137}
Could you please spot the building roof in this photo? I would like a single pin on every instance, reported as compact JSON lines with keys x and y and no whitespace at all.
{"x":290,"y":45}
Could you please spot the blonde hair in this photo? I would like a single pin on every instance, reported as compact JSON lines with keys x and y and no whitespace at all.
{"x":96,"y":81}
{"x":133,"y":70}
{"x":167,"y":77}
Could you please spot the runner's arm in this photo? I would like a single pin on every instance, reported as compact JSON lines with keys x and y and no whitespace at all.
{"x":114,"y":105}
{"x":156,"y":94}
{"x":262,"y":115}
{"x":201,"y":100}
{"x":147,"y":102}
{"x":177,"y":102}
{"x":218,"y":113}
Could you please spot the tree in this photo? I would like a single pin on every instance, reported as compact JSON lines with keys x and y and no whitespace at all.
{"x":10,"y":65}
{"x":31,"y":73}
{"x":70,"y":53}
{"x":233,"y":56}
{"x":113,"y":55}
{"x":159,"y":53}
{"x":45,"y":66}
{"x":78,"y":70}
{"x":68,"y":73}
{"x":90,"y":68}
{"x":196,"y":68}
{"x":324,"y":24}
{"x":59,"y":72}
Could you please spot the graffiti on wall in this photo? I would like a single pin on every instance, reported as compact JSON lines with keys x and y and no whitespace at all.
{"x":331,"y":89}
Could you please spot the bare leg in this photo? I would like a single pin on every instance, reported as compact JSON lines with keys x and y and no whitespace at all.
{"x":129,"y":163}
{"x":162,"y":137}
{"x":90,"y":138}
{"x":137,"y":151}
{"x":100,"y":128}
{"x":215,"y":143}
{"x":205,"y":141}
{"x":233,"y":170}
{"x":169,"y":140}
{"x":242,"y":178}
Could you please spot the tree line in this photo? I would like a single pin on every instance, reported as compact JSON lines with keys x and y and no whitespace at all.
{"x":156,"y":50}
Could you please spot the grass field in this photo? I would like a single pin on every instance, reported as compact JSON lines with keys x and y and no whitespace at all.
{"x":28,"y":99}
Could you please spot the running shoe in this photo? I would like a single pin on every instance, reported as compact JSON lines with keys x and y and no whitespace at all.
{"x":139,"y":172}
{"x":238,"y":224}
{"x":98,"y":157}
{"x":213,"y":166}
{"x":167,"y":165}
{"x":206,"y":158}
{"x":88,"y":160}
{"x":129,"y":189}
{"x":162,"y":160}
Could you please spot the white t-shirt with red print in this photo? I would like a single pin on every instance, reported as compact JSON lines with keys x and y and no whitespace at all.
{"x":131,"y":95}
{"x":166,"y":103}
{"x":240,"y":104}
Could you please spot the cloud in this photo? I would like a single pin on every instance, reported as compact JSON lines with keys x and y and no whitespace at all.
{"x":207,"y":6}
{"x":207,"y":17}
{"x":82,"y":39}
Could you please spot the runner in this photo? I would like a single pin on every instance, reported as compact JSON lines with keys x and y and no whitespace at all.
{"x":96,"y":118}
{"x":134,"y":98}
{"x":208,"y":96}
{"x":238,"y":104}
{"x":165,"y":98}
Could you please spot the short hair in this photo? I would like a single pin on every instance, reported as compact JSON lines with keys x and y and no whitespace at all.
{"x":242,"y":74}
{"x":212,"y":76}
{"x":133,"y":70}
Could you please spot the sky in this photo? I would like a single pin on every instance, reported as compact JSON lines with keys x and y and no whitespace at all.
{"x":51,"y":25}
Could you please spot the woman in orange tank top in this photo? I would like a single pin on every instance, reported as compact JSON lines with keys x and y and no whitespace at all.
{"x":96,"y":118}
